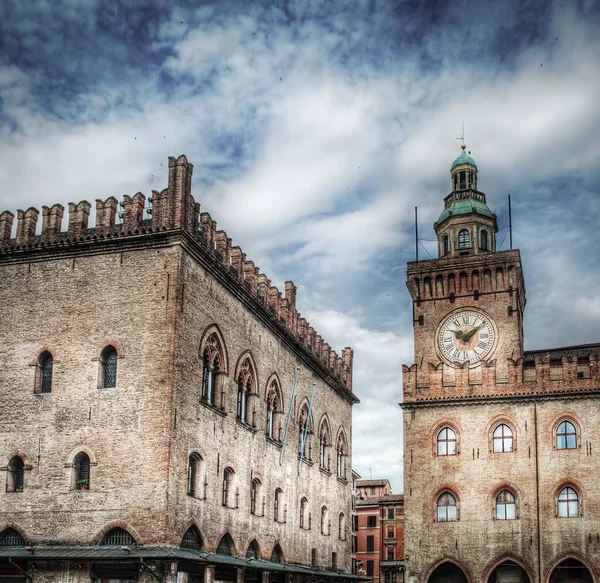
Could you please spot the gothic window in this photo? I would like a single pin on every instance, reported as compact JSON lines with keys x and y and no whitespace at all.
{"x":227,"y":486}
{"x":108,"y":368}
{"x":11,"y":538}
{"x":211,"y":369}
{"x":446,"y":508}
{"x":483,"y":240}
{"x":192,"y":539}
{"x":194,"y":464}
{"x":225,"y":546}
{"x":503,"y":439}
{"x":273,"y":406}
{"x":276,"y":555}
{"x":323,"y":444}
{"x":303,"y":512}
{"x":566,"y":436}
{"x":254,"y":495}
{"x":446,"y":244}
{"x":464,"y":239}
{"x":324,"y":520}
{"x":246,"y":385}
{"x":81,"y":467}
{"x":568,"y":503}
{"x":305,"y":433}
{"x":43,"y":374}
{"x":116,"y":537}
{"x":506,"y":506}
{"x":277,"y":504}
{"x":15,"y":474}
{"x":446,"y":442}
{"x":341,"y":455}
{"x":253,"y":551}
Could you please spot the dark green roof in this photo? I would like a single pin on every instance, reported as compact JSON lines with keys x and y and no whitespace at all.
{"x":463,"y":159}
{"x":465,"y":207}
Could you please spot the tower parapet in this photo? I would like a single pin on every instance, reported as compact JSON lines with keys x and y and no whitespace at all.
{"x":175,"y":210}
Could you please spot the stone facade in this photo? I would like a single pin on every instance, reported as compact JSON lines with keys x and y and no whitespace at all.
{"x":160,"y":290}
{"x":493,"y":491}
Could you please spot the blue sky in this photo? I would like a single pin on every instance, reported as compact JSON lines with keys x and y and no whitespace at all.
{"x":314,"y":128}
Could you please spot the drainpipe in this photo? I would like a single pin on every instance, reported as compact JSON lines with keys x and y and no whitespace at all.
{"x":537,"y":493}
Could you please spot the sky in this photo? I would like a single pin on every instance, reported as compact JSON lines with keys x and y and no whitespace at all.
{"x":315,"y":127}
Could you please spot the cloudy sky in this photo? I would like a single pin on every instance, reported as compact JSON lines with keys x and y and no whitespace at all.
{"x":315,"y":127}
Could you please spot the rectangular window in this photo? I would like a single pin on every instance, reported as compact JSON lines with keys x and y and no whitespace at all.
{"x":334,"y":561}
{"x":372,"y":490}
{"x":390,"y":514}
{"x":355,"y":523}
{"x":390,"y":532}
{"x":313,"y":557}
{"x":370,"y":543}
{"x":370,"y":569}
{"x":390,"y":554}
{"x":371,"y":521}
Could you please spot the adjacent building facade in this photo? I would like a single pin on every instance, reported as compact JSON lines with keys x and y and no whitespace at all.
{"x":158,"y":419}
{"x":380,"y":531}
{"x":500,"y":444}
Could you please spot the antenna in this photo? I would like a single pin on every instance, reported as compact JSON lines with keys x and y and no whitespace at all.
{"x":416,"y":236}
{"x":509,"y":223}
{"x":370,"y":472}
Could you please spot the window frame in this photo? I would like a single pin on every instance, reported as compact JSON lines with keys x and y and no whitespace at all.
{"x":578,"y":501}
{"x":451,"y":494}
{"x":370,"y":543}
{"x":484,"y":243}
{"x":447,"y":428}
{"x":82,"y":476}
{"x":493,"y":437}
{"x":505,"y":505}
{"x":577,"y":432}
{"x":15,"y":477}
{"x":228,"y":474}
{"x":109,"y":357}
{"x":464,"y":239}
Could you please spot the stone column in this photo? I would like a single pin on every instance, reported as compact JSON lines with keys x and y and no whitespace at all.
{"x":209,"y":574}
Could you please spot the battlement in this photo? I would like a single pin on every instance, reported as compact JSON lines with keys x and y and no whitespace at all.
{"x":173,"y":208}
{"x":554,"y":372}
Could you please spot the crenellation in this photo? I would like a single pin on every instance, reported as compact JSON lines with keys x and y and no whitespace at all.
{"x":325,"y":350}
{"x":26,"y":225}
{"x":318,"y":346}
{"x":223,"y":245}
{"x":79,"y":215}
{"x":133,"y":212}
{"x":52,"y":221}
{"x":106,"y":213}
{"x":250,"y":276}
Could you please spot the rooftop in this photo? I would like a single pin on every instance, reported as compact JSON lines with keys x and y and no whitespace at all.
{"x":376,"y":500}
{"x":367,"y":483}
{"x":566,"y":351}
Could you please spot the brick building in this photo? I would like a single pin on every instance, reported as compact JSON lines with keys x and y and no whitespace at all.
{"x":146,"y":376}
{"x":379,"y":531}
{"x":499,"y":443}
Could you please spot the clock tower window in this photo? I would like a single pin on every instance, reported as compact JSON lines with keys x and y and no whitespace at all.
{"x":446,"y":244}
{"x":483,"y":240}
{"x":464,"y":239}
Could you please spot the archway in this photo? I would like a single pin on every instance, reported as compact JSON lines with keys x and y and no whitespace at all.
{"x":508,"y":572}
{"x":571,"y":571}
{"x":447,"y":573}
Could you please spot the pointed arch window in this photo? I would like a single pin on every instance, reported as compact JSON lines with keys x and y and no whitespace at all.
{"x":108,"y":368}
{"x":43,"y":377}
{"x":447,"y":508}
{"x":503,"y":439}
{"x":245,"y":388}
{"x":255,"y":496}
{"x":15,"y":475}
{"x":464,"y":239}
{"x":81,"y":467}
{"x":446,"y":442}
{"x":566,"y":436}
{"x":273,"y":405}
{"x":568,"y":503}
{"x":277,"y":501}
{"x":116,"y":537}
{"x":324,"y":462}
{"x":506,"y":506}
{"x":11,"y":538}
{"x":191,"y":539}
{"x":227,"y":485}
{"x":212,"y":360}
{"x":341,"y":453}
{"x":483,"y":240}
{"x":303,"y":511}
{"x":276,"y":555}
{"x":305,"y":433}
{"x":225,"y":546}
{"x":253,"y":551}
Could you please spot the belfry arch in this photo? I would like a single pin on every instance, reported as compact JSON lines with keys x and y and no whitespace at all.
{"x":447,"y":572}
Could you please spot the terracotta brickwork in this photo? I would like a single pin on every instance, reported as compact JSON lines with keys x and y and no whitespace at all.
{"x":485,"y":467}
{"x":156,"y":289}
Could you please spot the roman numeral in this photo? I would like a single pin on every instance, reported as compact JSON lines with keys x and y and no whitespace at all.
{"x":456,"y":323}
{"x":482,"y":344}
{"x":484,"y":335}
{"x":465,"y":319}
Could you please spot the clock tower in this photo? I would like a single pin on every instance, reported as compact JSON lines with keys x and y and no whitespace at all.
{"x":467,"y":304}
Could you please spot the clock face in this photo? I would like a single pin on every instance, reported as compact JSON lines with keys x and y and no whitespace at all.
{"x":466,"y":335}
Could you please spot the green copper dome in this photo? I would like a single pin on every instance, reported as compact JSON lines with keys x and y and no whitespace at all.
{"x":463,"y":159}
{"x":465,"y":207}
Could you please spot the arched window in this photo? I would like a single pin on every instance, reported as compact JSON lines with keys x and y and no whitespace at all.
{"x":191,"y":539}
{"x":255,"y":495}
{"x":464,"y":239}
{"x":305,"y":433}
{"x":116,"y":537}
{"x":446,"y":244}
{"x":11,"y":538}
{"x":15,"y":475}
{"x":225,"y":546}
{"x":227,"y":485}
{"x":43,"y":375}
{"x":194,"y":465}
{"x":503,"y":439}
{"x":568,"y":503}
{"x":273,"y":406}
{"x":341,"y":453}
{"x":211,"y":368}
{"x":276,"y":555}
{"x":81,"y":467}
{"x":506,"y":506}
{"x":566,"y":436}
{"x":446,"y":508}
{"x":277,"y":501}
{"x":446,"y":442}
{"x":483,"y":240}
{"x":253,"y":551}
{"x":324,"y":461}
{"x":245,"y":388}
{"x":107,"y":377}
{"x":324,"y":520}
{"x":303,"y":511}
{"x":342,"y":526}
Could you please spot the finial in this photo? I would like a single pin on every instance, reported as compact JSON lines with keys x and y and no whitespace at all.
{"x":463,"y":146}
{"x":462,"y":137}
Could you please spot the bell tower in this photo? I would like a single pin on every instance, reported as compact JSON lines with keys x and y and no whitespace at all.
{"x":467,"y":304}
